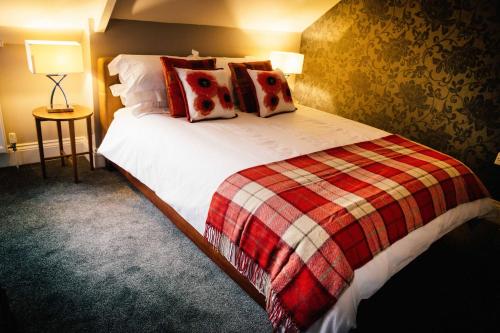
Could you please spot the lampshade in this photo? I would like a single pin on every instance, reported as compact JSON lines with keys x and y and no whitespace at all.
{"x":54,"y":57}
{"x":288,"y":62}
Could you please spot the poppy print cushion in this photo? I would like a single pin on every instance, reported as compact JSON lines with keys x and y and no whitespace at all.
{"x":243,"y":84}
{"x":206,"y":94}
{"x":174,"y":94}
{"x":272,"y":93}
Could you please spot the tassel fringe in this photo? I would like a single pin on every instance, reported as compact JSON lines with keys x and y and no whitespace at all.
{"x":278,"y":316}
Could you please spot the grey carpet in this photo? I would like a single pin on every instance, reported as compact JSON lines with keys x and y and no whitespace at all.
{"x":99,"y":257}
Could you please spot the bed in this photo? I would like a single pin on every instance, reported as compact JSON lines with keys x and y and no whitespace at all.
{"x":181,"y":180}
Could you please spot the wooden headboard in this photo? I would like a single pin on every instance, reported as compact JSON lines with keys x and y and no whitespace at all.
{"x":108,"y":104}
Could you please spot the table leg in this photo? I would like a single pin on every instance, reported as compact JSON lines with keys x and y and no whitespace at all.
{"x":73,"y":149}
{"x":59,"y":135}
{"x":40,"y":146}
{"x":89,"y":135}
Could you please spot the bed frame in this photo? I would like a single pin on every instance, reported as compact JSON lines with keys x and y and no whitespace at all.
{"x":108,"y":104}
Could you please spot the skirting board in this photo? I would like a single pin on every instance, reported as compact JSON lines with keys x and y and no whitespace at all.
{"x":27,"y":153}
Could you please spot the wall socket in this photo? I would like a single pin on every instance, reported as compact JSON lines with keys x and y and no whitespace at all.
{"x":12,"y":138}
{"x":497,"y":160}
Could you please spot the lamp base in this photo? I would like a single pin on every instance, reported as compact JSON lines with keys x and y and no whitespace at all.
{"x":56,"y":108}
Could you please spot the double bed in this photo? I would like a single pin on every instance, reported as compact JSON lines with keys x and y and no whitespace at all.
{"x":179,"y":166}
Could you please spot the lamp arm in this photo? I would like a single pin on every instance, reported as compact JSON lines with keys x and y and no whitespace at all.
{"x":57,"y":84}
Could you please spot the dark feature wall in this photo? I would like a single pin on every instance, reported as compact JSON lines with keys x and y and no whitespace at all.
{"x":429,"y":70}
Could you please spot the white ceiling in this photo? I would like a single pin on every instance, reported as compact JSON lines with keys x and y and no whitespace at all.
{"x":278,"y":15}
{"x":49,"y":14}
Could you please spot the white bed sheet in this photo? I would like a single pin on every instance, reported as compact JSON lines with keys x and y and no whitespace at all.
{"x":184,"y":163}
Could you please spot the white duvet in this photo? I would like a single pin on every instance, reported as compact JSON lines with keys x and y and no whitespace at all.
{"x":184,"y":163}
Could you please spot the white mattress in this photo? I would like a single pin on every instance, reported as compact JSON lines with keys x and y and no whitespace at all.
{"x":184,"y":163}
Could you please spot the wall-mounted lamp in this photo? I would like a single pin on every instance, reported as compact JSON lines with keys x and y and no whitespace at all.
{"x":288,"y":62}
{"x":55,"y":59}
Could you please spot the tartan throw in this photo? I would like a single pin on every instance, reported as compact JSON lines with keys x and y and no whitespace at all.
{"x":298,"y":228}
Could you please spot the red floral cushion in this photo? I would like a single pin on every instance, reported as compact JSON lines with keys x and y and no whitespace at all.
{"x":175,"y":99}
{"x":243,"y":84}
{"x":272,"y":92}
{"x":206,"y":94}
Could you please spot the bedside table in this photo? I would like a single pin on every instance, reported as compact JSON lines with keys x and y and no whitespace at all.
{"x":80,"y":112}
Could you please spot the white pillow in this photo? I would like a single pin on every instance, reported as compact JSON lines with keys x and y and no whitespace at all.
{"x":138,"y":72}
{"x":143,"y":109}
{"x":157,"y":98}
{"x":141,"y":80}
{"x":117,"y":89}
{"x":207,"y":94}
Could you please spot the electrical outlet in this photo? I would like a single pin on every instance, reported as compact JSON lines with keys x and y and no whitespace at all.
{"x":12,"y":138}
{"x":497,"y":160}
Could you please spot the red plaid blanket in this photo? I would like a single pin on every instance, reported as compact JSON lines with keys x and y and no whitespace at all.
{"x":298,"y":228}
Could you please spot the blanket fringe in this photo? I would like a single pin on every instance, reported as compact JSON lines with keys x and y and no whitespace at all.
{"x":278,"y":316}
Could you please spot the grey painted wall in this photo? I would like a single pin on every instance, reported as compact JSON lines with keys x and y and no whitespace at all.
{"x":138,"y":37}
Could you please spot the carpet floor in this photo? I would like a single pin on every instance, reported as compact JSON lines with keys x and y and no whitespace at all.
{"x":99,"y":257}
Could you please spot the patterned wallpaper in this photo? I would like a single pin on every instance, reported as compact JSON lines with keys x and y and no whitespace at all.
{"x":429,"y":70}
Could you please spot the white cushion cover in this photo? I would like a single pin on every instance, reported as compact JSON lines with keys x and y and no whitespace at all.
{"x":196,"y":95}
{"x":271,"y":101}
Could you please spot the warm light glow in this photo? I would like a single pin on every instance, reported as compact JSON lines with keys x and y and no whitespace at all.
{"x":54,"y":57}
{"x":50,"y":15}
{"x":288,"y":62}
{"x":263,"y":15}
{"x":257,"y":57}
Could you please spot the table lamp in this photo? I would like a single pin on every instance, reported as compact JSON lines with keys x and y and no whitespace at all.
{"x":55,"y":59}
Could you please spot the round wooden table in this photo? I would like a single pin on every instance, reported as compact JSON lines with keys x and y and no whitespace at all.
{"x":80,"y":112}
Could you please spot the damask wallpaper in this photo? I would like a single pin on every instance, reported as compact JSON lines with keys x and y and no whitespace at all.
{"x":429,"y":70}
